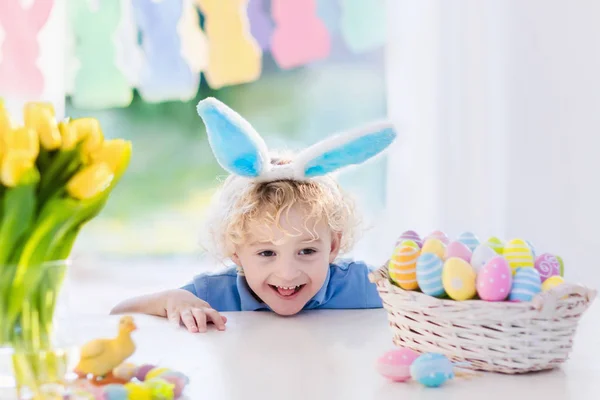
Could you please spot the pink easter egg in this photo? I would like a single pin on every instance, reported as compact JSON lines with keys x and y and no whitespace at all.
{"x":178,"y":381}
{"x":438,"y":235}
{"x":547,"y":265}
{"x":458,"y":249}
{"x":142,"y":370}
{"x":410,"y":235}
{"x":395,"y":364}
{"x":494,"y":280}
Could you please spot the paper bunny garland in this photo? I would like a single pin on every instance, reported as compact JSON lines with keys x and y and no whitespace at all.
{"x":240,"y":150}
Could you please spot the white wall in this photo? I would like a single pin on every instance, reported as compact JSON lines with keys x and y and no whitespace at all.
{"x":498,"y":102}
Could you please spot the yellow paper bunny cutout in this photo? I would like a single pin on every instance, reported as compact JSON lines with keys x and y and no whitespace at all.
{"x":234,"y":56}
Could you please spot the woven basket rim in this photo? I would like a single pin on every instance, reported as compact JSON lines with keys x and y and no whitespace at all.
{"x":551,"y":297}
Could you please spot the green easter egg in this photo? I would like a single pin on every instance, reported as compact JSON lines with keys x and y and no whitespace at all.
{"x":496,"y":244}
{"x":410,"y":243}
{"x":562,"y":266}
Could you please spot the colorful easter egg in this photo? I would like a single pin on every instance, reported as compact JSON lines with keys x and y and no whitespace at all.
{"x":181,"y":375}
{"x":138,"y":391}
{"x":458,"y":278}
{"x":441,"y":236}
{"x":526,"y":284}
{"x":435,"y":246}
{"x":115,"y":391}
{"x":552,"y":282}
{"x":410,"y":243}
{"x":562,"y":265}
{"x":469,"y":239}
{"x":496,"y":244}
{"x":125,"y":371}
{"x":429,"y":274}
{"x":178,"y":381}
{"x":518,"y":254}
{"x":482,"y":254}
{"x":142,"y":370}
{"x":160,"y":388}
{"x":432,"y":369}
{"x":395,"y":364}
{"x":458,"y":249}
{"x":402,"y":267}
{"x":547,"y":265}
{"x":410,"y":235}
{"x":494,"y":281}
{"x":155,"y":372}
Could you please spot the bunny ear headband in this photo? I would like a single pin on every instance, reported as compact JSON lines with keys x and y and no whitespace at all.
{"x":240,"y":150}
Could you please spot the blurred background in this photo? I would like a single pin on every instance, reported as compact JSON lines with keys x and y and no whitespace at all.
{"x":496,"y":104}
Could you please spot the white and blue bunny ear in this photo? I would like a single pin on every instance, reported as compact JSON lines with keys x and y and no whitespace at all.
{"x":238,"y":148}
{"x":340,"y":151}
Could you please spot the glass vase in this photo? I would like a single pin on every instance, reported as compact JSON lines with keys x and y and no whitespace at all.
{"x":36,"y":344}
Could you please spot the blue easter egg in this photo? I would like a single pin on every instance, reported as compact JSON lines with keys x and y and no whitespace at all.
{"x":526,"y":284}
{"x":432,"y":369}
{"x":469,"y":240}
{"x":115,"y":392}
{"x":429,"y":274}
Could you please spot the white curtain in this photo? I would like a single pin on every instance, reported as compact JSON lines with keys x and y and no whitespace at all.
{"x":498,"y":105}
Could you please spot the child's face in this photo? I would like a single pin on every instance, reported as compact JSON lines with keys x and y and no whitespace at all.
{"x":288,"y":271}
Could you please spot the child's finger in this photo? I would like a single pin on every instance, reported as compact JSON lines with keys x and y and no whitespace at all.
{"x":189,"y":321}
{"x":174,"y":317}
{"x":200,"y":319}
{"x":216,"y":318}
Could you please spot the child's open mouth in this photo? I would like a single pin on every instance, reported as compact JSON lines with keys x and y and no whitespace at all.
{"x":287,"y":292}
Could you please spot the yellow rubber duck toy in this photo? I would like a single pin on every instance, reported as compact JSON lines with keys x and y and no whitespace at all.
{"x":100,"y":356}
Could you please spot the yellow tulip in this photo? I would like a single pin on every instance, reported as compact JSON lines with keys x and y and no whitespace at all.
{"x":22,"y":139}
{"x":6,"y":122}
{"x":40,"y":117}
{"x":90,"y":133}
{"x":15,"y":164}
{"x":68,"y":135}
{"x":90,"y":181}
{"x":112,"y":152}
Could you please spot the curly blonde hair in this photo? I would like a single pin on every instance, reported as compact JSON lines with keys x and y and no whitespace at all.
{"x":241,"y":202}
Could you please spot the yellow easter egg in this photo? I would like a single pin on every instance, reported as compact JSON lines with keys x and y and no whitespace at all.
{"x":155,"y":372}
{"x":403,"y":267}
{"x":435,"y":246}
{"x":518,"y":254}
{"x":552,"y":282}
{"x":458,"y":278}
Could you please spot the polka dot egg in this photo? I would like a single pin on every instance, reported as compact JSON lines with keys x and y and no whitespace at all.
{"x":526,"y":284}
{"x":429,"y":274}
{"x":469,"y":239}
{"x":410,"y":235}
{"x":547,"y":265}
{"x":482,"y":254}
{"x":494,"y":281}
{"x":402,"y":267}
{"x":395,"y":364}
{"x":496,"y":244}
{"x":432,"y":369}
{"x":518,"y":254}
{"x":458,"y":278}
{"x":435,"y":246}
{"x":458,"y":249}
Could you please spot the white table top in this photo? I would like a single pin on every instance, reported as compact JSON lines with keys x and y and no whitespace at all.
{"x":330,"y":355}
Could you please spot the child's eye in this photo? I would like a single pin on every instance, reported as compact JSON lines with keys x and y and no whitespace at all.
{"x":307,"y":252}
{"x":266,"y":253}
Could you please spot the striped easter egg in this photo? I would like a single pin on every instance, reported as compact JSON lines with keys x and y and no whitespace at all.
{"x":531,"y":247}
{"x":496,"y":244}
{"x":403,"y":267}
{"x":526,"y":284}
{"x":410,"y":235}
{"x":469,"y":239}
{"x":429,"y":274}
{"x":518,"y":254}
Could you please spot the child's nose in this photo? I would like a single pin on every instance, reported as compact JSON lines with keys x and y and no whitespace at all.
{"x":288,"y":271}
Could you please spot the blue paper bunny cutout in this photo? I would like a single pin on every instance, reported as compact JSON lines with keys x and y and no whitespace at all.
{"x":240,"y":150}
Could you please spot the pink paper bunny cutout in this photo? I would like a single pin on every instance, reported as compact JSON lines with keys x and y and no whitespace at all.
{"x":19,"y":74}
{"x":300,"y":37}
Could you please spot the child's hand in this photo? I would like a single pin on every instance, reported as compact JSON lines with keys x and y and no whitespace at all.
{"x":194,"y":313}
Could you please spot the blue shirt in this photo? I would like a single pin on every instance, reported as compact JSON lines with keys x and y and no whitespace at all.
{"x":346,"y":286}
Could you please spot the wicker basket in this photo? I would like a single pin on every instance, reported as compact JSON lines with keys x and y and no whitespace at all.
{"x":502,"y":337}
